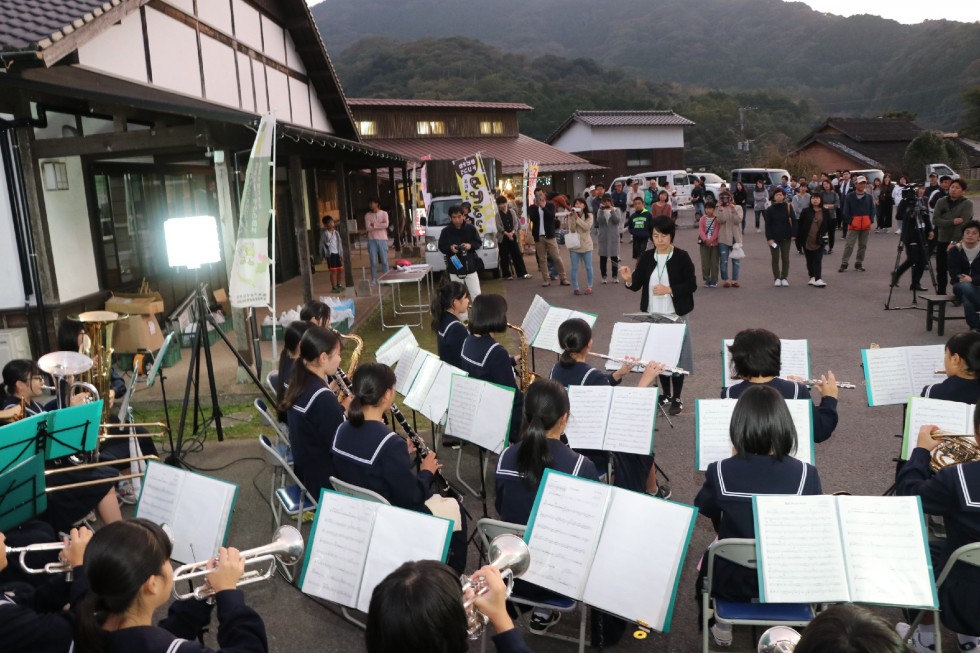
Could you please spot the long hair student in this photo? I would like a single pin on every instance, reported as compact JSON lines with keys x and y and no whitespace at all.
{"x":290,"y":352}
{"x":448,"y":308}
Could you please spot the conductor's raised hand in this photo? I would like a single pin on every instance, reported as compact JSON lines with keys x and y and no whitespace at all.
{"x":626,"y":275}
{"x":430,"y":463}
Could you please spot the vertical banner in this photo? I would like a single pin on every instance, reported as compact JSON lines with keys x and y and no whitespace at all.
{"x":475,"y":188}
{"x":530,"y":185}
{"x":424,"y":179}
{"x":250,"y":284}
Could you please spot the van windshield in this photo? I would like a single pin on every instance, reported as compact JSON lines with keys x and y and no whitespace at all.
{"x":438,"y":214}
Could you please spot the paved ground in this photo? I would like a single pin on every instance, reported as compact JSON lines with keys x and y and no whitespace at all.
{"x":839,"y":320}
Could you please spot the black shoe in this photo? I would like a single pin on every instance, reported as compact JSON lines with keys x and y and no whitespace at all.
{"x":843,"y":267}
{"x":665,"y":400}
{"x":957,"y":301}
{"x":894,"y":280}
{"x":452,"y":443}
{"x":663,"y":490}
{"x":918,"y":287}
{"x":859,"y":267}
{"x":676,"y":406}
{"x":539,"y":624}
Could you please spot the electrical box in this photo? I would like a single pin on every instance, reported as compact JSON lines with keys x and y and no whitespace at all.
{"x":14,"y":344}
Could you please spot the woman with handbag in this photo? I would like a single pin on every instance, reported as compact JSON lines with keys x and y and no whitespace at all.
{"x":812,"y":236}
{"x":730,"y":218}
{"x":579,"y":243}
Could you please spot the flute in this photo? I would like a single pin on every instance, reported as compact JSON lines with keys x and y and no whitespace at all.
{"x":942,"y":371}
{"x":638,"y":364}
{"x":840,"y":384}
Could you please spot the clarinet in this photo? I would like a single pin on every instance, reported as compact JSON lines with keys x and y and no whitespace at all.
{"x":444,"y":487}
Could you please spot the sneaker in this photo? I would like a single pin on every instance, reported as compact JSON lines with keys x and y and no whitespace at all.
{"x":566,"y":283}
{"x":777,"y":283}
{"x":603,"y":281}
{"x":811,"y":281}
{"x":843,"y":267}
{"x":665,"y":400}
{"x":918,"y":287}
{"x":758,"y":231}
{"x":526,"y":276}
{"x":125,"y":493}
{"x":576,"y":292}
{"x":726,"y":284}
{"x":663,"y":490}
{"x":785,"y":282}
{"x":451,"y":443}
{"x":722,"y":634}
{"x":820,"y":283}
{"x":859,"y":267}
{"x":541,"y":622}
{"x":615,"y":279}
{"x":676,"y":406}
{"x":588,"y":291}
{"x":735,"y":284}
{"x":707,"y":284}
{"x":913,"y":642}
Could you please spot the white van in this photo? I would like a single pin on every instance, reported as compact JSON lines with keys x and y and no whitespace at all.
{"x":437,"y":219}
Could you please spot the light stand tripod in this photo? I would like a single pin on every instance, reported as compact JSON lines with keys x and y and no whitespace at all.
{"x":914,"y":220}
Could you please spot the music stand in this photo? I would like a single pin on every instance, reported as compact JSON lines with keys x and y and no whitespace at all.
{"x":157,"y":371}
{"x":72,"y":431}
{"x":21,"y":440}
{"x":22,"y":493}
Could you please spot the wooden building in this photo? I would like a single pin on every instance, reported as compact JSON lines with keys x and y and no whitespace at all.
{"x":859,"y":143}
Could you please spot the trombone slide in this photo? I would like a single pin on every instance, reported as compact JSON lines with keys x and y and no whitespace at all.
{"x":98,"y":481}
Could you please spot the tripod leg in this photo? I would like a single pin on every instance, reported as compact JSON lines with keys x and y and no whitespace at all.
{"x":893,"y":280}
{"x":175,"y":453}
{"x":215,"y":406}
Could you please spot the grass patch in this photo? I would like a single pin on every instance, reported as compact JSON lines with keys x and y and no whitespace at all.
{"x":239,"y":420}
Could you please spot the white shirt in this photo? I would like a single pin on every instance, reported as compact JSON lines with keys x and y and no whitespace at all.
{"x":663,"y":304}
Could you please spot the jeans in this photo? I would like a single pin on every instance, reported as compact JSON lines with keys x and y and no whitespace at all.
{"x":725,"y":251}
{"x":780,"y":254}
{"x":586,"y":259}
{"x":859,"y":236}
{"x":970,"y":295}
{"x":698,"y":209}
{"x":615,"y":266}
{"x":378,"y":254}
{"x":814,"y":262}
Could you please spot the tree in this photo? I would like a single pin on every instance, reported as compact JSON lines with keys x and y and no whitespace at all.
{"x":899,"y":114}
{"x":971,"y":103}
{"x":928,"y":148}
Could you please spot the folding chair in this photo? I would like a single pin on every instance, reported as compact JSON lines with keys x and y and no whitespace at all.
{"x":743,"y":552}
{"x":280,"y":429}
{"x":292,"y":498}
{"x":491,"y":528}
{"x":968,"y":554}
{"x":357,"y":491}
{"x":272,"y":381}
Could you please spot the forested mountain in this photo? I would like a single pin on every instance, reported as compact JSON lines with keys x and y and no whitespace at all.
{"x":862,"y":65}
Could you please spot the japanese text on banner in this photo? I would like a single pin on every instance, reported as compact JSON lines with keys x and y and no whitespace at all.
{"x":475,"y":188}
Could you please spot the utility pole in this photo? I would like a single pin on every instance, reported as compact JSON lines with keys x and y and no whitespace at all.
{"x":743,"y":145}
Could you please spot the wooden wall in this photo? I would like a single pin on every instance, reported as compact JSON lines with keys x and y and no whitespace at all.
{"x":401,"y":122}
{"x":615,"y":161}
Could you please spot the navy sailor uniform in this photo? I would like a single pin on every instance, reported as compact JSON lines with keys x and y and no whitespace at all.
{"x":32,"y":620}
{"x":726,"y":499}
{"x":484,"y":358}
{"x":954,"y":388}
{"x":313,"y":420}
{"x":450,"y":337}
{"x":954,"y":494}
{"x":824,"y":414}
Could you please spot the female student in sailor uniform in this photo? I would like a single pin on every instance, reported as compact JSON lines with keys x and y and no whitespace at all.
{"x":312,"y":409}
{"x":632,"y":471}
{"x":961,"y":362}
{"x":290,"y":352}
{"x":33,"y":619}
{"x":954,"y":494}
{"x":763,"y":437}
{"x":368,"y":454}
{"x":127,"y":566}
{"x":755,"y":356}
{"x":22,"y":380}
{"x":448,"y":307}
{"x":486,"y":359}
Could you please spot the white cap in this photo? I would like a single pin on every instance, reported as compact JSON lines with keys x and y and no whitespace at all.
{"x":861,"y":180}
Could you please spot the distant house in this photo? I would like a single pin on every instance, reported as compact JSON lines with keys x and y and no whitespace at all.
{"x":625,"y":141}
{"x":859,"y":143}
{"x":450,"y":129}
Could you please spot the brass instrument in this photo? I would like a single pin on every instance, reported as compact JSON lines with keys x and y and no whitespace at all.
{"x":953,"y":449}
{"x":638,"y":365}
{"x":60,"y":567}
{"x":287,"y":548}
{"x":525,"y":375}
{"x":510,"y":555}
{"x":778,"y":639}
{"x":99,"y":326}
{"x":104,"y":463}
{"x":355,"y":356}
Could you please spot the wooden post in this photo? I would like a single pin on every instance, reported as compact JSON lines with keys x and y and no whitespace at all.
{"x":300,"y":218}
{"x":345,"y":215}
{"x":229,"y":234}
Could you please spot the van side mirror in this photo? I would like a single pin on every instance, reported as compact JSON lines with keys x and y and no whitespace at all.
{"x":422,"y":221}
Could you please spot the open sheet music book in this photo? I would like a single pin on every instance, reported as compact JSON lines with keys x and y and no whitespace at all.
{"x":893,"y":374}
{"x":611,"y":418}
{"x":480,"y":412}
{"x":816,"y":549}
{"x":407,"y":366}
{"x":547,"y":335}
{"x":794,"y":360}
{"x":426,"y":386}
{"x":355,"y":544}
{"x":712,"y":437}
{"x":391,"y":349}
{"x":617,"y":550}
{"x":197,"y":507}
{"x":646,"y":341}
{"x":952,"y":416}
{"x":531,"y":323}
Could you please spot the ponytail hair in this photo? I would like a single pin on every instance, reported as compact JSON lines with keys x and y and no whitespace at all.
{"x":316,"y":341}
{"x":443,"y":301}
{"x":290,"y":343}
{"x":371,"y":381}
{"x":545,"y":402}
{"x":574,"y":336}
{"x":317,"y":312}
{"x":966,"y":345}
{"x":119,"y":559}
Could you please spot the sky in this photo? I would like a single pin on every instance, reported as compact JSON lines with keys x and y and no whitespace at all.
{"x":904,"y":11}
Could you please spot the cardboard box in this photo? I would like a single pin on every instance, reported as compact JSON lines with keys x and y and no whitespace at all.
{"x":137,"y":332}
{"x":135,"y":304}
{"x":221,"y":296}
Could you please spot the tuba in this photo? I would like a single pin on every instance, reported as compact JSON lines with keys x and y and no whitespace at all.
{"x":953,"y":449}
{"x":99,"y":326}
{"x":525,"y":375}
{"x":510,"y":555}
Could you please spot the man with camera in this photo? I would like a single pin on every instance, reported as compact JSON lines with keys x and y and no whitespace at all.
{"x":458,"y":243}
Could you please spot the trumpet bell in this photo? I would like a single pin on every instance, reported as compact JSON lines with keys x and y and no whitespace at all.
{"x":60,"y":364}
{"x":291,"y":545}
{"x":510,"y":553}
{"x":778,"y":639}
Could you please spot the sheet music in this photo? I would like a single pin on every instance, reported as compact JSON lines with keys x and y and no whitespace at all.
{"x":713,"y":440}
{"x":436,"y":403}
{"x":201,"y":518}
{"x":794,"y":360}
{"x":663,"y":343}
{"x":587,"y":416}
{"x":428,"y":370}
{"x":464,"y":395}
{"x":391,"y":350}
{"x":408,"y":366}
{"x":567,"y":520}
{"x":627,"y":340}
{"x":534,"y":318}
{"x":337,"y":556}
{"x":887,"y":374}
{"x":801,"y":410}
{"x":887,"y":559}
{"x":491,"y":418}
{"x":948,"y":415}
{"x":800,"y":551}
{"x":631,"y":421}
{"x":923,"y":363}
{"x":635,"y":576}
{"x":158,"y":498}
{"x":547,"y":337}
{"x":400,"y":536}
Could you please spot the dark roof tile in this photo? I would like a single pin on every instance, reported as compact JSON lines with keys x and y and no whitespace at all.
{"x":449,"y":104}
{"x":35,"y":24}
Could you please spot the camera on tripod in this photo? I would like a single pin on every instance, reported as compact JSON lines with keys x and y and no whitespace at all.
{"x":909,"y":193}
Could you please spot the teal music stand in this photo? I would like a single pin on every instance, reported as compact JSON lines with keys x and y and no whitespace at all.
{"x":22,"y":492}
{"x":71,"y":431}
{"x":20,"y":440}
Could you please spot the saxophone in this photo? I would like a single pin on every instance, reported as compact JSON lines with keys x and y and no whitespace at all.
{"x":355,"y":356}
{"x":953,"y":450}
{"x":525,"y":376}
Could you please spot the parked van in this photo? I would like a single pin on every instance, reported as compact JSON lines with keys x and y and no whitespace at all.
{"x":436,"y":219}
{"x":748,"y":177}
{"x":870,"y":174}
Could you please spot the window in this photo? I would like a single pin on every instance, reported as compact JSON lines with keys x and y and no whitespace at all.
{"x":638,"y":158}
{"x":367,"y":128}
{"x":430,"y":127}
{"x":491,"y":127}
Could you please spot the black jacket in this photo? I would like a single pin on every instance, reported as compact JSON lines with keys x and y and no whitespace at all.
{"x":452,"y":236}
{"x":910,"y":225}
{"x":806,"y":219}
{"x":959,"y":264}
{"x":681,"y":279}
{"x":780,"y":223}
{"x":534,"y":218}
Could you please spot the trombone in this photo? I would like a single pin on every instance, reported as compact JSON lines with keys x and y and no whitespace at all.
{"x":287,"y":548}
{"x":104,"y":463}
{"x":60,"y":567}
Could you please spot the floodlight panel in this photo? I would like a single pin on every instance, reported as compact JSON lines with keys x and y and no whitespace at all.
{"x":192,"y":241}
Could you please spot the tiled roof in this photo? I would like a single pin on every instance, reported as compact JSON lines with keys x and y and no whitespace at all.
{"x":873,"y":129}
{"x":511,"y":152}
{"x":448,"y":104}
{"x":639,"y":118}
{"x":37,"y":24}
{"x":886,"y":155}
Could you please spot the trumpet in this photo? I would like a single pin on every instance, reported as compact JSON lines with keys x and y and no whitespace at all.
{"x":639,"y":365}
{"x":287,"y":548}
{"x":778,"y":639}
{"x":60,"y":567}
{"x":510,"y":555}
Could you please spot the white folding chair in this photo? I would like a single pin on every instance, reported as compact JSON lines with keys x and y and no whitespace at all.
{"x":288,"y":495}
{"x":357,"y":491}
{"x":743,"y":552}
{"x":491,"y":528}
{"x":280,"y":429}
{"x":967,"y":554}
{"x":272,"y":381}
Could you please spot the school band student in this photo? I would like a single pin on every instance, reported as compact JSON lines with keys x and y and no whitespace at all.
{"x":484,"y":358}
{"x":763,"y":437}
{"x":449,"y":306}
{"x":291,"y":338}
{"x":316,"y":313}
{"x":127,"y":566}
{"x":313,"y":411}
{"x":666,"y":282}
{"x":961,"y":364}
{"x":755,"y":356}
{"x":33,"y":619}
{"x":369,"y":454}
{"x":631,"y":471}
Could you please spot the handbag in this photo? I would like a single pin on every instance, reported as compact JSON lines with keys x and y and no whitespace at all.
{"x":572,"y":240}
{"x":737,"y":252}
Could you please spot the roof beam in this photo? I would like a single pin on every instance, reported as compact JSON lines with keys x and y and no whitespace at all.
{"x":134,"y":142}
